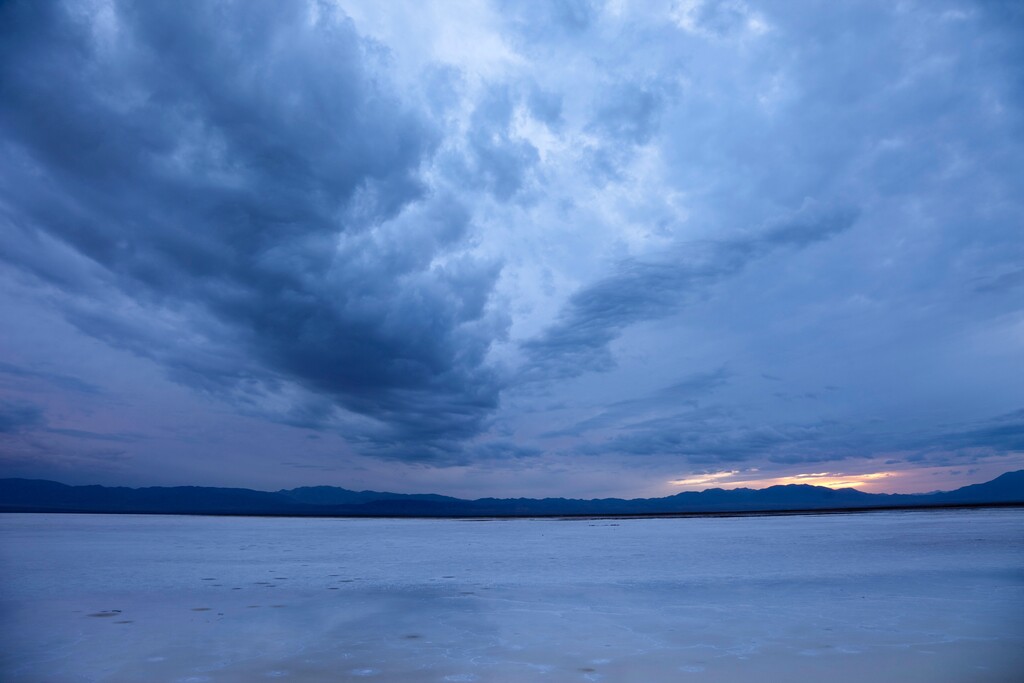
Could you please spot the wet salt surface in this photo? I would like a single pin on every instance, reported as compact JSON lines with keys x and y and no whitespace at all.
{"x":892,"y":596}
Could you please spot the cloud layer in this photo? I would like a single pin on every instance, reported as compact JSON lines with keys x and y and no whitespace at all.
{"x":236,"y":192}
{"x":553,"y":240}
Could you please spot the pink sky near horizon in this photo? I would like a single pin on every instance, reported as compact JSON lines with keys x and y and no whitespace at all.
{"x":918,"y":480}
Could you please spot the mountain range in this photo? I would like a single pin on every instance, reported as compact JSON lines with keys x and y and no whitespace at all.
{"x":37,"y":495}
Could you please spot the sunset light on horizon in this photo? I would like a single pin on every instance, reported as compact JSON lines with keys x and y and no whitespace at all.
{"x":919,"y":480}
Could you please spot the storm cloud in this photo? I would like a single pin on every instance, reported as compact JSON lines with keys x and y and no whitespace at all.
{"x":234,"y":190}
{"x":641,"y":290}
{"x":508,"y":247}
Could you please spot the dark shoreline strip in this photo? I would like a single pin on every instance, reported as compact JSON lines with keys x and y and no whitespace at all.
{"x":552,"y":516}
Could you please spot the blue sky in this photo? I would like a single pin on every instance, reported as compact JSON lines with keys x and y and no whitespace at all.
{"x":565,"y":248}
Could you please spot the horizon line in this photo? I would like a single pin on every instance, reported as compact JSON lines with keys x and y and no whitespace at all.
{"x":671,"y":495}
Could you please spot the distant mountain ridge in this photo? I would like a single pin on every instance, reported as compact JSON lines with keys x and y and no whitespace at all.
{"x":38,"y":495}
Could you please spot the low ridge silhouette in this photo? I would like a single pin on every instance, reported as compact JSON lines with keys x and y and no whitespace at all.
{"x":37,"y":495}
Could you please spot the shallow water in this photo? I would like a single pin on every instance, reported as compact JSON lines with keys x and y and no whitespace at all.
{"x":928,"y":596}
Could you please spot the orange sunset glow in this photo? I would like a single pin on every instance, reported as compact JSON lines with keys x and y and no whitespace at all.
{"x":869,"y":480}
{"x":833,"y":480}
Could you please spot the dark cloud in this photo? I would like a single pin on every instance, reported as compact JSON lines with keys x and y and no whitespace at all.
{"x":494,"y":158}
{"x":642,"y":290}
{"x":19,"y":419}
{"x":55,"y":379}
{"x":1001,"y":283}
{"x":234,"y":190}
{"x":483,"y":234}
{"x":628,"y":113}
{"x":19,"y":416}
{"x":717,"y":434}
{"x":720,"y":17}
{"x":1001,"y":434}
{"x":535,"y":22}
{"x":95,"y":436}
{"x":501,"y":451}
{"x":545,"y":106}
{"x":720,"y":435}
{"x":688,"y":392}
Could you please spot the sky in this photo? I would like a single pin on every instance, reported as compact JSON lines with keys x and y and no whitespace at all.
{"x":568,"y":248}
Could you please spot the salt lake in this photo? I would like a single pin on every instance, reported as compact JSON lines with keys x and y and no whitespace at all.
{"x":928,"y":596}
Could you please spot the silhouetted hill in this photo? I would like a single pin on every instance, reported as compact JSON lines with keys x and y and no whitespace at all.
{"x":1004,"y":487}
{"x":332,"y":495}
{"x":33,"y":495}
